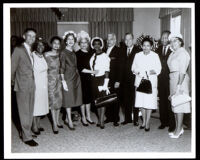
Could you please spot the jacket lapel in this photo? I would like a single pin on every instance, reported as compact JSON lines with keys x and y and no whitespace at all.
{"x":26,"y":54}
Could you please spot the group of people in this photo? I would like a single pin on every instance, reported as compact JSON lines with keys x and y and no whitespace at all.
{"x":48,"y":80}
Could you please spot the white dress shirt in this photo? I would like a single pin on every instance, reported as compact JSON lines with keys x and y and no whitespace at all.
{"x":109,"y":50}
{"x":129,"y":50}
{"x":102,"y":64}
{"x":28,"y":48}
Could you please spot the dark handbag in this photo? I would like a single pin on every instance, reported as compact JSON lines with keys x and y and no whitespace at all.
{"x":145,"y":86}
{"x":105,"y":100}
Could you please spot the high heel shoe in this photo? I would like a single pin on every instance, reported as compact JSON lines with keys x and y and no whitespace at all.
{"x":98,"y":125}
{"x":147,"y":129}
{"x":177,"y":136}
{"x":55,"y":132}
{"x":60,"y":126}
{"x":41,"y":129}
{"x":102,"y":126}
{"x":171,"y":133}
{"x":67,"y":124}
{"x":36,"y":132}
{"x":142,"y":127}
{"x":90,"y":122}
{"x":84,"y":124}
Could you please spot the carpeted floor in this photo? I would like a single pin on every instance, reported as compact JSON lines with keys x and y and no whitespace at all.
{"x":111,"y":139}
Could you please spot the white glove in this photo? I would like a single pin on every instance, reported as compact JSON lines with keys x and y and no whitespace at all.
{"x":65,"y":87}
{"x":105,"y":86}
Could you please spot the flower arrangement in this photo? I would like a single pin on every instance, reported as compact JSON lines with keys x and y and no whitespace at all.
{"x":69,"y":32}
{"x":139,"y":42}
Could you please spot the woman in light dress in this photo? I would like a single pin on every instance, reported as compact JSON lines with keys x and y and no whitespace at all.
{"x":178,"y":63}
{"x":41,"y":103}
{"x":54,"y":82}
{"x":146,"y":63}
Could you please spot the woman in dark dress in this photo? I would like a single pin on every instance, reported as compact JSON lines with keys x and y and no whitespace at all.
{"x":72,"y":92}
{"x":100,"y":62}
{"x":83,"y":58}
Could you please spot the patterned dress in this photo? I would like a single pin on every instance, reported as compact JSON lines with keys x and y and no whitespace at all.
{"x":54,"y":81}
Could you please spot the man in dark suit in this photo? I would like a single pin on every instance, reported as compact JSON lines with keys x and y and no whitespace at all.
{"x":23,"y":80}
{"x":112,"y":111}
{"x":127,"y":89}
{"x":166,"y":114}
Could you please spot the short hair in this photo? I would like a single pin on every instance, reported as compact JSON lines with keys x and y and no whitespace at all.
{"x":181,"y":40}
{"x":166,"y":32}
{"x":97,"y":40}
{"x":128,"y":33}
{"x":66,"y":37}
{"x":29,"y":29}
{"x":146,"y":39}
{"x":55,"y":38}
{"x":79,"y":40}
{"x":114,"y":35}
{"x":35,"y":45}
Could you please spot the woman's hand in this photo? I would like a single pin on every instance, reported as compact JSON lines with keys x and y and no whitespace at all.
{"x":95,"y":72}
{"x":117,"y":84}
{"x":65,"y":87}
{"x":152,"y":72}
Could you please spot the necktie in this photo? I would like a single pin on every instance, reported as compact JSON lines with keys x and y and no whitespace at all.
{"x":164,"y":50}
{"x":129,"y":52}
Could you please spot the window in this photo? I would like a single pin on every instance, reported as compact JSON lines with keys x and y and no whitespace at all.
{"x":175,"y":25}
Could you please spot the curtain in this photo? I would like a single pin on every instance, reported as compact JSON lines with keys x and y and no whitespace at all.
{"x":165,"y":23}
{"x":41,"y":19}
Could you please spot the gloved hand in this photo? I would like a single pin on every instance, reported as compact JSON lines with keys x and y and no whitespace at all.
{"x":65,"y":87}
{"x":105,"y":86}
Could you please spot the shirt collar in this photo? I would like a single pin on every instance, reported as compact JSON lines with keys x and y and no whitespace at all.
{"x":27,"y":46}
{"x":130,"y":48}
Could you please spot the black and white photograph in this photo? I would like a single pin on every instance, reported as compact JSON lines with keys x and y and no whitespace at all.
{"x":99,"y":80}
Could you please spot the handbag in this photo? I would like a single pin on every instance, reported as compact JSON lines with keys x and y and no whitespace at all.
{"x":105,"y":100}
{"x":145,"y":86}
{"x":177,"y":100}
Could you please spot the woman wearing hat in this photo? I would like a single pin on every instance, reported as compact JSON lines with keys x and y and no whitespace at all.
{"x":83,"y":58}
{"x":72,"y":92}
{"x":178,"y":63}
{"x":54,"y":81}
{"x":41,"y":104}
{"x":99,"y":62}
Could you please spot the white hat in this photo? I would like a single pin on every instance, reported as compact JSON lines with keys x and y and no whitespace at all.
{"x":69,"y":32}
{"x":99,"y":39}
{"x":172,"y":36}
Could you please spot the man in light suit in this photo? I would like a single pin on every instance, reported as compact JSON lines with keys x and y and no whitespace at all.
{"x":112,"y":111}
{"x":22,"y":78}
{"x":127,"y":88}
{"x":166,"y":114}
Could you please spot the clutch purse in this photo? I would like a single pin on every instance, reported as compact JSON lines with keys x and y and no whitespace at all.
{"x":145,"y":86}
{"x":103,"y":101}
{"x":177,"y":100}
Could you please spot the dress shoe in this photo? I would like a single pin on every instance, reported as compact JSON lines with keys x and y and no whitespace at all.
{"x":126,"y":122}
{"x":107,"y":121}
{"x":84,"y":124}
{"x":90,"y":122}
{"x":36,"y":132}
{"x":60,"y":126}
{"x":31,"y":143}
{"x":34,"y":136}
{"x":161,"y":127}
{"x":147,"y":129}
{"x":55,"y":132}
{"x":177,"y":136}
{"x":102,"y":126}
{"x":41,"y":129}
{"x":98,"y":125}
{"x":115,"y":124}
{"x":142,"y":127}
{"x":136,"y":123}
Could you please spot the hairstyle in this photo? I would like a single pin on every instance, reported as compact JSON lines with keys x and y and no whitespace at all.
{"x":79,"y":40}
{"x":166,"y":32}
{"x":66,"y":37}
{"x":97,"y":40}
{"x":128,"y":33}
{"x":35,"y":45}
{"x":146,"y":39}
{"x":55,"y":38}
{"x":29,"y":29}
{"x":181,"y":40}
{"x":113,"y":34}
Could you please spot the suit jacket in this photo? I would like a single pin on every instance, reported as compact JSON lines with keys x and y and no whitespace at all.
{"x":164,"y":75}
{"x":114,"y":56}
{"x":127,"y":76}
{"x":22,"y":70}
